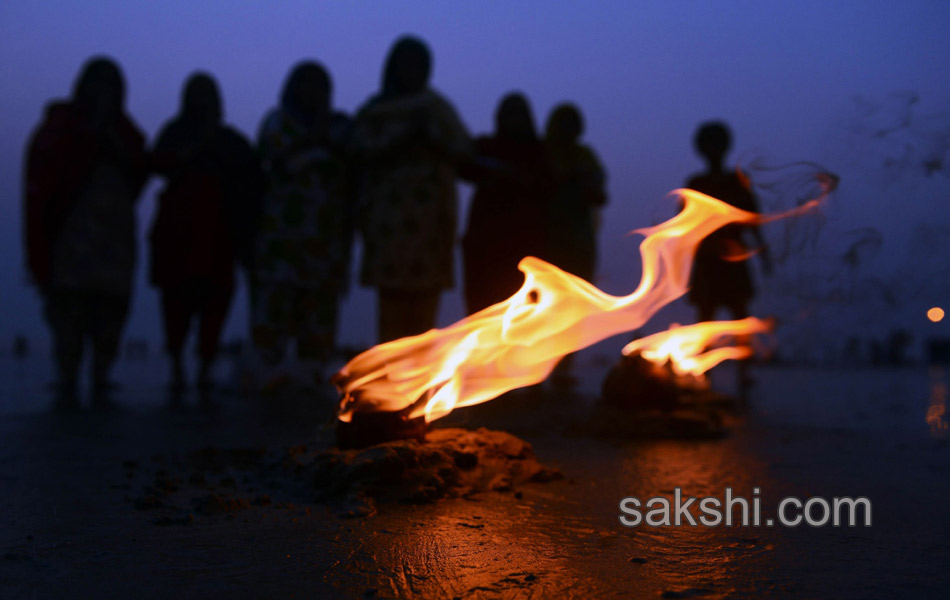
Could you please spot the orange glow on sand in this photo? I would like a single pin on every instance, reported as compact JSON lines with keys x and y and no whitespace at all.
{"x":518,"y":342}
{"x":935,"y":314}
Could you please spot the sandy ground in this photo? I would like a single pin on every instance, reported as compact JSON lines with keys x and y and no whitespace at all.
{"x":70,"y":527}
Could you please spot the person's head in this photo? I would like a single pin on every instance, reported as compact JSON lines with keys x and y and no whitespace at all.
{"x":565,"y":125}
{"x":307,"y":90}
{"x":514,"y":118}
{"x":713,"y":140}
{"x":408,"y":67}
{"x":201,"y":100}
{"x":99,"y":90}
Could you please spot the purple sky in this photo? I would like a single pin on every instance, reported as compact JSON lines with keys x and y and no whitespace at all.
{"x":785,"y":75}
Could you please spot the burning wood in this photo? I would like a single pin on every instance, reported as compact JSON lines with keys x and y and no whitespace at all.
{"x":370,"y":428}
{"x":643,"y":399}
{"x":659,"y":389}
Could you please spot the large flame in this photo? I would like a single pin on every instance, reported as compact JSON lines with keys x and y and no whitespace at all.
{"x":517,"y":343}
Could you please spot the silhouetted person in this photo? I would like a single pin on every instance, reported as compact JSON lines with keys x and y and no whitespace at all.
{"x":573,"y":215}
{"x":580,"y":193}
{"x":721,"y":277}
{"x":303,"y":252}
{"x":200,"y":230}
{"x":506,"y":220}
{"x":409,"y":141}
{"x":85,"y":168}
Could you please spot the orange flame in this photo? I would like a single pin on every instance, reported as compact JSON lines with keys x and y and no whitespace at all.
{"x":687,"y":348}
{"x":518,"y":342}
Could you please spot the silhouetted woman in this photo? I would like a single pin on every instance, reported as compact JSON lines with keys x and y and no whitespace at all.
{"x":85,"y":168}
{"x":409,"y":140}
{"x":573,"y":213}
{"x":507,"y":217}
{"x":303,"y":254}
{"x":720,"y":275}
{"x":200,"y":229}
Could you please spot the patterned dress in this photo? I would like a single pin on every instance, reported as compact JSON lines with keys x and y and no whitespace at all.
{"x":303,"y":246}
{"x":410,"y":146}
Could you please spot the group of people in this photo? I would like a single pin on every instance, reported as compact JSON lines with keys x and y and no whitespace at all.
{"x":286,"y":208}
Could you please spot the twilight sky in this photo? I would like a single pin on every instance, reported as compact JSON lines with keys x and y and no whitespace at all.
{"x":861,"y":87}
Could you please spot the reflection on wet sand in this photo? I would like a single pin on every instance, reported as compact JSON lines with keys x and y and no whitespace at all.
{"x":937,"y":417}
{"x":564,"y":540}
{"x":69,"y":528}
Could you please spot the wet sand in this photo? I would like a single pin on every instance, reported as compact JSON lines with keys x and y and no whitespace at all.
{"x":70,"y":527}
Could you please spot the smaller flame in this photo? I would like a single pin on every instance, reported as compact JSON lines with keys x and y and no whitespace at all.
{"x":693,"y":349}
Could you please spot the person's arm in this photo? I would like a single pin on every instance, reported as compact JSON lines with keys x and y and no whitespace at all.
{"x":482,"y":169}
{"x":379,"y":135}
{"x":166,"y":158}
{"x":244,"y":185}
{"x":594,"y":179}
{"x":448,"y":135}
{"x":277,"y":147}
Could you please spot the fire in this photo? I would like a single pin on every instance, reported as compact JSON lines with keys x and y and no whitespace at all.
{"x":935,"y":314}
{"x":518,"y":342}
{"x":686,"y":348}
